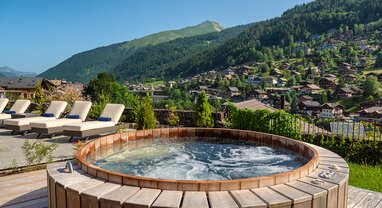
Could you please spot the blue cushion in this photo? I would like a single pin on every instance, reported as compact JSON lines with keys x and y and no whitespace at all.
{"x":73,"y":116}
{"x":9,"y":112}
{"x":47,"y":115}
{"x":104,"y":119}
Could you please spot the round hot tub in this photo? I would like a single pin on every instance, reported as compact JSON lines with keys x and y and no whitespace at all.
{"x":198,"y":167}
{"x":197,"y":159}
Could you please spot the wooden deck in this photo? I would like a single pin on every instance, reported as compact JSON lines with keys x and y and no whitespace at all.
{"x":30,"y":190}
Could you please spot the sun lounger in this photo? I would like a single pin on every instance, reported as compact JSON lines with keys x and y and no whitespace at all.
{"x":20,"y":106}
{"x":78,"y":114}
{"x":106,"y":123}
{"x":54,"y":111}
{"x":3,"y":104}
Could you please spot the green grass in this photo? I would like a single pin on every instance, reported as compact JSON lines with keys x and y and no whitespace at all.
{"x":156,"y":83}
{"x":351,"y":105}
{"x":375,"y":69}
{"x":366,"y":176}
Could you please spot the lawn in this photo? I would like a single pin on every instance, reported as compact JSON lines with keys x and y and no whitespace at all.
{"x":156,"y":83}
{"x":375,"y":70}
{"x":365,"y":176}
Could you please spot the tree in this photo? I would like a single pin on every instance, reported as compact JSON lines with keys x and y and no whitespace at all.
{"x":371,"y":87}
{"x":39,"y":98}
{"x":324,"y":97}
{"x":203,"y":116}
{"x":291,"y":82}
{"x":173,"y":118}
{"x":378,"y":62}
{"x":146,"y":117}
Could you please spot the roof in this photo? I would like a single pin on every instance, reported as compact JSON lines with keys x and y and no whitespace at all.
{"x":311,"y":103}
{"x":233,"y":89}
{"x":332,"y":105}
{"x":346,"y":90}
{"x":313,"y":87}
{"x":253,"y":104}
{"x":19,"y":82}
{"x":372,"y":110}
{"x":55,"y":82}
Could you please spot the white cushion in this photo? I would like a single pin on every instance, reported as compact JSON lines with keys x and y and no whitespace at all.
{"x":113,"y":111}
{"x":5,"y":116}
{"x":81,"y":108}
{"x":54,"y":123}
{"x":3,"y":103}
{"x":26,"y":121}
{"x":20,"y":106}
{"x":89,"y":125}
{"x":56,"y":108}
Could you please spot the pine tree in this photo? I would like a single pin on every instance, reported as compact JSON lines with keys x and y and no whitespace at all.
{"x":146,"y":117}
{"x":39,"y":98}
{"x":378,"y":61}
{"x":173,"y":118}
{"x":203,"y":116}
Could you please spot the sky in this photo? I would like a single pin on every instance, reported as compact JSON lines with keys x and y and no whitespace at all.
{"x":39,"y":34}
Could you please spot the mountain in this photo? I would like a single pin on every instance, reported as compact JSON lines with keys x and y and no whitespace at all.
{"x":84,"y":66}
{"x":153,"y":61}
{"x":9,"y":72}
{"x":258,"y":41}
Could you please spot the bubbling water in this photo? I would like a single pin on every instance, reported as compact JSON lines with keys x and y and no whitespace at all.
{"x":198,"y":159}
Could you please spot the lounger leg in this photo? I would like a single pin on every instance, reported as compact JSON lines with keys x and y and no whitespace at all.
{"x":25,"y":133}
{"x":52,"y":136}
{"x":71,"y":138}
{"x":13,"y":132}
{"x":86,"y":139}
{"x":38,"y":135}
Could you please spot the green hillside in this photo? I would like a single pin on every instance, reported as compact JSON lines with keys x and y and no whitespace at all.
{"x":82,"y":67}
{"x":154,"y":61}
{"x":257,"y":42}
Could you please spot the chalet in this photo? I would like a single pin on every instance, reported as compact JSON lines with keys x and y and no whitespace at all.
{"x":331,"y":110}
{"x":277,"y":90}
{"x":328,"y":83}
{"x":311,"y":89}
{"x":281,"y":82}
{"x":350,"y":78}
{"x":372,"y":103}
{"x":297,"y":88}
{"x":268,"y":80}
{"x":372,"y":113}
{"x":244,"y":69}
{"x":356,"y":90}
{"x":171,"y":84}
{"x":234,"y":91}
{"x":309,"y":108}
{"x":24,"y":87}
{"x":258,"y":94}
{"x":304,"y":98}
{"x":343,"y":93}
{"x":229,"y":72}
{"x":276,"y":72}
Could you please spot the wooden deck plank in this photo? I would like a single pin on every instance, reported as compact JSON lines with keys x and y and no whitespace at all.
{"x":118,"y":196}
{"x":295,"y":195}
{"x":221,"y":199}
{"x":22,"y":197}
{"x":36,"y":203}
{"x":356,"y":196}
{"x":25,"y":188}
{"x":90,"y":197}
{"x":143,"y":198}
{"x":272,"y":198}
{"x":246,"y":199}
{"x":194,"y":199}
{"x":370,"y":200}
{"x":22,"y":175}
{"x":169,"y":199}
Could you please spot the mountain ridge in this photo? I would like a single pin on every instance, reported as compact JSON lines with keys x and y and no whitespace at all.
{"x":6,"y":71}
{"x":83,"y":66}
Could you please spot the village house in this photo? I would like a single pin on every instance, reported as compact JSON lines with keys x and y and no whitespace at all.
{"x":343,"y":93}
{"x":276,"y":73}
{"x":234,"y":91}
{"x":258,"y":94}
{"x":372,"y":103}
{"x":304,"y":98}
{"x":281,"y":82}
{"x":171,"y":84}
{"x":350,"y":78}
{"x":371,"y":114}
{"x":311,"y":89}
{"x":328,"y":82}
{"x":244,"y":69}
{"x":309,"y":108}
{"x":24,"y":87}
{"x":331,"y":110}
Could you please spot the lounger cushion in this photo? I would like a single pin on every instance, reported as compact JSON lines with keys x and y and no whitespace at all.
{"x":113,"y":111}
{"x":3,"y":103}
{"x":47,"y":115}
{"x":26,"y":121}
{"x":89,"y":125}
{"x":104,"y":119}
{"x":5,"y":116}
{"x":54,"y":123}
{"x":20,"y":106}
{"x":56,"y":108}
{"x":81,"y":108}
{"x":72,"y":116}
{"x":9,"y":112}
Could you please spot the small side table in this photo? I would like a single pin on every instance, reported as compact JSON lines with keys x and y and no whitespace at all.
{"x":24,"y":115}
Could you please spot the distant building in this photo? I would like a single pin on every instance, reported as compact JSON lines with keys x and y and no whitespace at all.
{"x":171,"y":84}
{"x":24,"y":87}
{"x":309,"y":108}
{"x":343,"y":93}
{"x":234,"y":91}
{"x":311,"y":89}
{"x":372,"y":113}
{"x":331,"y":110}
{"x":258,"y":94}
{"x":372,"y":103}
